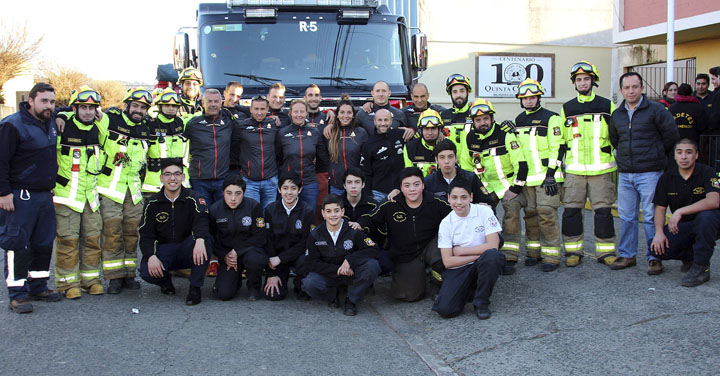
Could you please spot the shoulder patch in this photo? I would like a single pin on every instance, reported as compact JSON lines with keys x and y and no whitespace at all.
{"x":369,"y":242}
{"x":201,"y":200}
{"x":260,"y":222}
{"x":556,"y":131}
{"x":514,"y":145}
{"x":715,"y":183}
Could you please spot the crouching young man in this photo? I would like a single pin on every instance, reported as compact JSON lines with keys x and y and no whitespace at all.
{"x":468,"y":240}
{"x":337,"y":255}
{"x":174,"y":233}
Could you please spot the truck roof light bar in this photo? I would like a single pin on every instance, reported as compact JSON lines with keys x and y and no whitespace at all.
{"x":261,"y":13}
{"x":305,"y":3}
{"x":354,"y":14}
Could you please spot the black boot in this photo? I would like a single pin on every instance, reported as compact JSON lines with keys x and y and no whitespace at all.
{"x":194,"y":296}
{"x":350,"y":308}
{"x":696,"y":276}
{"x":115,"y":286}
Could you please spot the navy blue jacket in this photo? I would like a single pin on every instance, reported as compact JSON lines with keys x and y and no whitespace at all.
{"x":28,"y":152}
{"x":381,"y":160}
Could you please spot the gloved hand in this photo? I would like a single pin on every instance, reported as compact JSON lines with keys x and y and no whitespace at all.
{"x":550,"y":185}
{"x":507,"y":126}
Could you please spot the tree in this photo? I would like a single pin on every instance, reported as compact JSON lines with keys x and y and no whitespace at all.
{"x":17,"y":50}
{"x":112,"y":93}
{"x":64,"y":80}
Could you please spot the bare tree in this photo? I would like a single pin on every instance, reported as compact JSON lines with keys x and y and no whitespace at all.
{"x":16,"y":51}
{"x":64,"y":80}
{"x":112,"y":93}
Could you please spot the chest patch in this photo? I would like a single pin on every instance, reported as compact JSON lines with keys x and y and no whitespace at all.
{"x":347,"y":245}
{"x":246,"y":221}
{"x":162,"y":217}
{"x":298,"y":224}
{"x":399,"y":217}
{"x":698,"y":190}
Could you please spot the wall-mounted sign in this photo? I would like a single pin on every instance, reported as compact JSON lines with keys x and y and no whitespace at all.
{"x":497,"y":75}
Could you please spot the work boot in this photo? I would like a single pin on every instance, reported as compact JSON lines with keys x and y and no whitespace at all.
{"x":96,"y":289}
{"x":47,"y":296}
{"x":194,"y":296}
{"x":350,"y":308}
{"x":334,"y":303}
{"x":696,"y":276}
{"x":253,"y":295}
{"x":115,"y":286}
{"x":482,"y":313}
{"x":572,"y":261}
{"x":621,"y":262}
{"x":131,"y":283}
{"x":508,"y":268}
{"x":686,"y":265}
{"x":168,"y":288}
{"x":655,"y":267}
{"x":548,"y":266}
{"x":609,"y":260}
{"x":20,"y":306}
{"x":531,"y":261}
{"x":72,"y":293}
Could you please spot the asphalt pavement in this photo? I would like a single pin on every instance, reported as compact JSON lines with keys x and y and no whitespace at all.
{"x":584,"y":320}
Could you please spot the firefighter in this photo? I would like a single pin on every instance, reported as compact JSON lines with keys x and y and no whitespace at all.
{"x":166,"y":140}
{"x":76,"y":198}
{"x":455,"y":118}
{"x":124,"y":140}
{"x":496,"y":157}
{"x":190,"y":81}
{"x":418,"y":152}
{"x":539,"y":132}
{"x":589,"y":163}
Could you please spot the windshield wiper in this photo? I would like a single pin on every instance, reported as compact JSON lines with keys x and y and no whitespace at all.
{"x":267,"y":81}
{"x":347,"y":81}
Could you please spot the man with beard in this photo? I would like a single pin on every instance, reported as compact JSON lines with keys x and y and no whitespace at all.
{"x":28,"y":168}
{"x":190,"y":81}
{"x":419,"y":95}
{"x":382,"y":157}
{"x":589,"y":167}
{"x":456,"y":118}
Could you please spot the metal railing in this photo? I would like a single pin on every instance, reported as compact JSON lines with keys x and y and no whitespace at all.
{"x":710,"y":151}
{"x":654,"y":76}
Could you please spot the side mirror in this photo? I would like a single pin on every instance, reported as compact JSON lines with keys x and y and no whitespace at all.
{"x":181,"y":53}
{"x":420,"y":51}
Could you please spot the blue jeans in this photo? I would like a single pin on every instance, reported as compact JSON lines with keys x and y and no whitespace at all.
{"x":263,"y":191}
{"x":210,"y":190}
{"x":636,"y":190}
{"x":336,"y":191}
{"x":309,"y":194}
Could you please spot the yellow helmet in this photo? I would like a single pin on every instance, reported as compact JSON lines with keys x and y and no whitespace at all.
{"x":169,"y":97}
{"x":529,"y":88}
{"x":138,"y":94}
{"x":85,"y":95}
{"x":430,"y":119}
{"x":457,"y":79}
{"x":190,"y":74}
{"x":481,"y":107}
{"x":584,"y":67}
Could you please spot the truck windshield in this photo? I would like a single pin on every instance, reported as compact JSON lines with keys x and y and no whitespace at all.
{"x":292,"y":51}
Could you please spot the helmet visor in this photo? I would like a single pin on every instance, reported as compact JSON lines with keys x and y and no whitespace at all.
{"x":429,"y":121}
{"x":457,"y":79}
{"x":529,"y":89}
{"x":481,"y":109}
{"x":169,"y":98}
{"x":141,"y":96}
{"x":89,"y":96}
{"x":582,"y":68}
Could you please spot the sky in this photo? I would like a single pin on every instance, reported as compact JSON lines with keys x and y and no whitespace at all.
{"x":107,"y":40}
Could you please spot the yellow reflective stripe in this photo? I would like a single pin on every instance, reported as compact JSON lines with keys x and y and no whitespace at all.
{"x":510,"y":245}
{"x":132,"y":262}
{"x":93,"y":273}
{"x":499,"y":170}
{"x":66,"y":277}
{"x":592,"y":167}
{"x":532,"y":245}
{"x":534,"y":150}
{"x":75,"y":205}
{"x":117,"y":171}
{"x":113,"y":265}
{"x":573,"y":245}
{"x":604,"y":246}
{"x":550,"y":250}
{"x":75,"y":176}
{"x":150,"y":187}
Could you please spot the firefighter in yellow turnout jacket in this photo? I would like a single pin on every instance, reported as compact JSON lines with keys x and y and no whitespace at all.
{"x":124,"y":140}
{"x":419,"y":152}
{"x":76,"y":198}
{"x":497,"y":158}
{"x":539,"y":132}
{"x":589,"y":164}
{"x":166,"y":139}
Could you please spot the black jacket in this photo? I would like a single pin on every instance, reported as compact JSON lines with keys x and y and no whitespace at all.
{"x":690,"y":117}
{"x":238,"y":229}
{"x":209,"y":146}
{"x":325,"y":257}
{"x":366,"y":205}
{"x":28,"y":152}
{"x":349,"y":148}
{"x":408,"y":230}
{"x":413,"y":115}
{"x":302,"y":150}
{"x":165,"y":222}
{"x":287,"y":234}
{"x":282,"y":116}
{"x":437,"y":184}
{"x":642,"y":146}
{"x":256,"y":142}
{"x":382,"y":159}
{"x":367,"y":120}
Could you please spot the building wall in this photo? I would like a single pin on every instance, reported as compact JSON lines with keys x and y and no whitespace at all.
{"x":640,"y":13}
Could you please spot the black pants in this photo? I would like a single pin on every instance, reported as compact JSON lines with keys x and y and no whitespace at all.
{"x":174,"y":256}
{"x":696,"y":239}
{"x":410,"y":278}
{"x":458,"y":283}
{"x":283,"y":271}
{"x":325,"y":288}
{"x":227,"y":282}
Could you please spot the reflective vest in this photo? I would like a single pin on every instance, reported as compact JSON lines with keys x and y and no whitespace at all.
{"x":78,"y":156}
{"x":166,"y":141}
{"x":456,"y":123}
{"x":585,"y":131}
{"x":189,"y":107}
{"x":418,"y":153}
{"x":540,"y":136}
{"x":124,"y":144}
{"x":496,"y":158}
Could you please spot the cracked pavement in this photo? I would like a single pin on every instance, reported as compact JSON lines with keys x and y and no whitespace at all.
{"x":588,"y":320}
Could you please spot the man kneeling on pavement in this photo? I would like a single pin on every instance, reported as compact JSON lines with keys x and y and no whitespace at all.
{"x":174,"y":233}
{"x":692,"y":192}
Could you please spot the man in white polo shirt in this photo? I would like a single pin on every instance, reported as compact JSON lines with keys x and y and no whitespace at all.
{"x":469,"y":238}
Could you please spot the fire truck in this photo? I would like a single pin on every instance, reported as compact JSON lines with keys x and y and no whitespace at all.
{"x":343,"y":46}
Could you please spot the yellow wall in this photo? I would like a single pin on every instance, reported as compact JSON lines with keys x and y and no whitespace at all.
{"x":706,"y":53}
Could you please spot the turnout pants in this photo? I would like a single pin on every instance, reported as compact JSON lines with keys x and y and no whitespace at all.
{"x":227,"y":282}
{"x":26,"y":236}
{"x":120,"y":237}
{"x":601,"y":191}
{"x":283,"y":271}
{"x":476,"y":280}
{"x":77,"y":266}
{"x":176,"y":256}
{"x":409,"y":279}
{"x":542,"y":227}
{"x":696,"y":239}
{"x":323,"y":287}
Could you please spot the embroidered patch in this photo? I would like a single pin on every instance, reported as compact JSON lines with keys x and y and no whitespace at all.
{"x":369,"y":242}
{"x":493,"y":221}
{"x":514,"y":145}
{"x":556,"y":131}
{"x":321,"y":242}
{"x":399,"y":217}
{"x":348,"y":244}
{"x":298,"y":224}
{"x":715,"y":183}
{"x":162,"y":217}
{"x":246,"y":221}
{"x":201,"y":201}
{"x":260,"y":222}
{"x":480,"y":229}
{"x":699,"y":190}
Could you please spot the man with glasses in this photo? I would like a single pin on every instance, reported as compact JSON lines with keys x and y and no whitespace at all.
{"x":190,"y":81}
{"x":589,"y":167}
{"x":174,"y":234}
{"x":124,"y":139}
{"x":455,"y":119}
